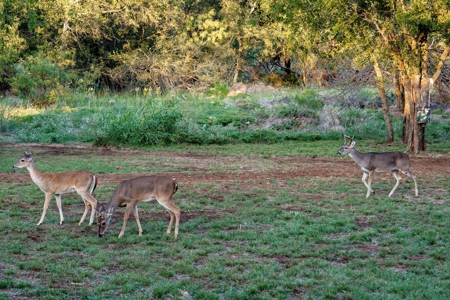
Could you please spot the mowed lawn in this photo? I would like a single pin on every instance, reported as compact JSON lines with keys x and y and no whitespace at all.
{"x":253,"y":226}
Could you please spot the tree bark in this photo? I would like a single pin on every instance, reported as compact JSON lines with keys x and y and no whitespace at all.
{"x":399,"y":92}
{"x":239,"y":62}
{"x":414,"y":132}
{"x":384,"y":101}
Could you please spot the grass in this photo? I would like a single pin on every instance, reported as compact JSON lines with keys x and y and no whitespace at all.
{"x":268,"y":238}
{"x":246,"y":231}
{"x":140,"y":121}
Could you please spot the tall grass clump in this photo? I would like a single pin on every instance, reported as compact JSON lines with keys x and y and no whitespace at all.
{"x":138,"y":125}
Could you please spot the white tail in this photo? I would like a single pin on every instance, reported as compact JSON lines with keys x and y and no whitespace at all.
{"x":140,"y":189}
{"x":81,"y":182}
{"x":372,"y":162}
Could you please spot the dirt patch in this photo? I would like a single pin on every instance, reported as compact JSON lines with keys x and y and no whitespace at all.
{"x":247,"y":175}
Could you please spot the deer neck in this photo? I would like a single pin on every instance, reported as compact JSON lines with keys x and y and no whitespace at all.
{"x":358,"y":157}
{"x":114,"y":202}
{"x":35,"y":174}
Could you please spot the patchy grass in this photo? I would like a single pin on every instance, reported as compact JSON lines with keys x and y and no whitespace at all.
{"x":248,"y":233}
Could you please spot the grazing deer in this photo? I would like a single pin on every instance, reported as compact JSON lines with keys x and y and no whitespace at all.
{"x":82,"y":182}
{"x":140,"y":189}
{"x":372,"y":162}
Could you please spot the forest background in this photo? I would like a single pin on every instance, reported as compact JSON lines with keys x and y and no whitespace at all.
{"x":52,"y":48}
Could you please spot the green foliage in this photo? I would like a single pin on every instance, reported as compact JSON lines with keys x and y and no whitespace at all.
{"x":141,"y":125}
{"x":12,"y":44}
{"x":218,"y":90}
{"x":309,"y":98}
{"x":41,"y":81}
{"x":138,"y":120}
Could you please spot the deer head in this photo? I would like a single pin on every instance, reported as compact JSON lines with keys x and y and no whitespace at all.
{"x":103,"y":219}
{"x":346,"y":148}
{"x":24,"y":162}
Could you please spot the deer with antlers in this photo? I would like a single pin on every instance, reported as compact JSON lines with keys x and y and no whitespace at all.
{"x":371,"y":162}
{"x":81,"y":182}
{"x":141,"y":189}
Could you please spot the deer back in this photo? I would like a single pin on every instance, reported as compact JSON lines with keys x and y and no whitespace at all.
{"x":382,"y":161}
{"x":144,"y":188}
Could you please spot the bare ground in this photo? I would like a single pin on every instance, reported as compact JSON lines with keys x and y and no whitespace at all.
{"x":198,"y":170}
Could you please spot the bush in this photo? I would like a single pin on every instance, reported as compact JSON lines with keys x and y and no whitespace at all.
{"x":147,"y":126}
{"x":39,"y":80}
{"x":218,"y":90}
{"x":310,"y":99}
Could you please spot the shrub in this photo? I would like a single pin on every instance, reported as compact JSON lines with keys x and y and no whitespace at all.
{"x":218,"y":90}
{"x":149,"y":125}
{"x":309,"y":98}
{"x":39,"y":80}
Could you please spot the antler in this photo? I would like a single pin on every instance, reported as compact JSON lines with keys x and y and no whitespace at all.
{"x":346,"y":136}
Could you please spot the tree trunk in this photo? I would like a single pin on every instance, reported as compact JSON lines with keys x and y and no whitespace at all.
{"x":384,"y":101}
{"x":239,"y":62}
{"x":399,"y":92}
{"x":414,"y":132}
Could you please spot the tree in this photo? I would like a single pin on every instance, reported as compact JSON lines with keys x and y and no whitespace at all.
{"x":384,"y":101}
{"x":11,"y":43}
{"x":408,"y":30}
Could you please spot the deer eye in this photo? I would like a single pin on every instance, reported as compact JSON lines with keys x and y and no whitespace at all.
{"x":22,"y":160}
{"x":103,"y":223}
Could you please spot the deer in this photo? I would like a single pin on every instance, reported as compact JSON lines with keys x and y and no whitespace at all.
{"x":133,"y":191}
{"x":82,"y":182}
{"x":371,"y":162}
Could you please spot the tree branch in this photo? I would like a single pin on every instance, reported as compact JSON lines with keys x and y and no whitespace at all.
{"x":440,"y":65}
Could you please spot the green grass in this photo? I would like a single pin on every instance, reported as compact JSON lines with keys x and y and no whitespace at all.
{"x":240,"y":237}
{"x":129,"y":120}
{"x":305,"y":238}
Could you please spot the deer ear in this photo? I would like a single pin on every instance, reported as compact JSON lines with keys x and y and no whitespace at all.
{"x":353,"y":144}
{"x":110,"y":211}
{"x":100,"y":209}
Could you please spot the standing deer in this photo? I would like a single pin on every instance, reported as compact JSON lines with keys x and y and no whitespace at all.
{"x":372,"y":162}
{"x":81,"y":182}
{"x":140,"y":189}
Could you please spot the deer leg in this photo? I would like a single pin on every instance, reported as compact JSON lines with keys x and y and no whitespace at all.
{"x":172,"y":215}
{"x":130,"y":207}
{"x":48,"y":197}
{"x":136,"y":217}
{"x":174,"y":211}
{"x":399,"y":179}
{"x":369,"y":183}
{"x":409,"y":174}
{"x":416,"y":190}
{"x":88,"y":201}
{"x":365,"y":175}
{"x":58,"y":203}
{"x":86,"y":209}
